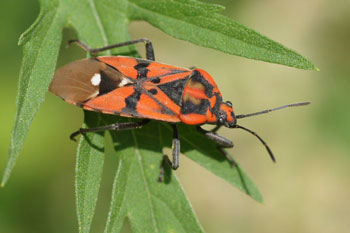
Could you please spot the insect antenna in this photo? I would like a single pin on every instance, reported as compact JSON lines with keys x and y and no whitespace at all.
{"x":263,"y":112}
{"x":260,"y":139}
{"x":273,"y":109}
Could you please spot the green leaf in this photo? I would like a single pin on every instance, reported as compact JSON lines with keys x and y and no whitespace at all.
{"x":149,"y":205}
{"x":40,"y":53}
{"x":89,"y":165}
{"x":205,"y":28}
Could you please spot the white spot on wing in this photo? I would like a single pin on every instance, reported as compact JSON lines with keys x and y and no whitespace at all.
{"x":124,"y":82}
{"x":96,"y":79}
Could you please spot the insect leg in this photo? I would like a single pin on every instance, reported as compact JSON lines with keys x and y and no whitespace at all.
{"x":148,"y":44}
{"x":176,"y":155}
{"x":216,"y":128}
{"x":115,"y":126}
{"x":176,"y":148}
{"x":165,"y":161}
{"x":221,"y":141}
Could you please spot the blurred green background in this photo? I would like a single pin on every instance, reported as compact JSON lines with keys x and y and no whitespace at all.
{"x":308,"y":190}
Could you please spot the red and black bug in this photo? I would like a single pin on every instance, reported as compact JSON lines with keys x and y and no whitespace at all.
{"x":143,"y":88}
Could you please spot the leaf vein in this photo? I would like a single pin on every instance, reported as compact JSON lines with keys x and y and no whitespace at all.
{"x":99,"y":23}
{"x":137,"y":152}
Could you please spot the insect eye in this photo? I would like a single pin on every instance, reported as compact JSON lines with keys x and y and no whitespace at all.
{"x":222,"y":117}
{"x":228,"y":103}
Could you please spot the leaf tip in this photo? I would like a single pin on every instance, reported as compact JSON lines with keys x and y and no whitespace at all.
{"x":3,"y":181}
{"x":260,"y":199}
{"x":257,"y":197}
{"x":220,"y":7}
{"x":312,"y":67}
{"x":20,"y":40}
{"x":5,"y":177}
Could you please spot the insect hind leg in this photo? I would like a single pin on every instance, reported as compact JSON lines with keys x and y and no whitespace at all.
{"x":176,"y":155}
{"x":148,"y":45}
{"x":116,"y":126}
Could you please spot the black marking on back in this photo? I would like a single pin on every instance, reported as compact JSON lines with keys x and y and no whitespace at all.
{"x":196,"y":76}
{"x":141,"y":68}
{"x":216,"y":109}
{"x":131,"y":102}
{"x":153,"y":91}
{"x":174,"y":89}
{"x":107,"y":84}
{"x":164,"y":109}
{"x":173,"y":71}
{"x":155,"y":80}
{"x":201,"y":108}
{"x":217,"y":103}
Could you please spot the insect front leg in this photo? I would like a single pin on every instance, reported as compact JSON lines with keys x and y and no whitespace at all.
{"x":215,"y":129}
{"x":176,"y":155}
{"x":221,"y":141}
{"x":148,"y":45}
{"x":115,"y":126}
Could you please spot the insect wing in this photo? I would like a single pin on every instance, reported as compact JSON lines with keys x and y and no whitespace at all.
{"x":96,"y":86}
{"x":83,"y":80}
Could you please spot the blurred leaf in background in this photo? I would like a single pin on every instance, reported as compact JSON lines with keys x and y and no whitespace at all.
{"x":335,"y":117}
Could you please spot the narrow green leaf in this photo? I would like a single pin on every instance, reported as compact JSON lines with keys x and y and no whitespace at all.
{"x":149,"y":205}
{"x":89,"y":165}
{"x":39,"y":60}
{"x":205,"y":28}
